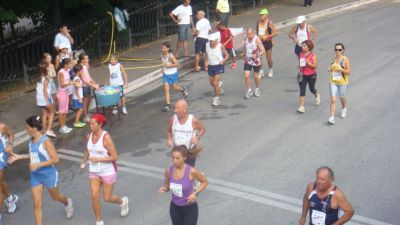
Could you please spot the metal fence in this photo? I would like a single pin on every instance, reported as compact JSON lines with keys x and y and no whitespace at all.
{"x":18,"y":59}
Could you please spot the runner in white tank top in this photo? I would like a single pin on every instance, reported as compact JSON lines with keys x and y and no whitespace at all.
{"x":254,"y":51}
{"x":170,"y":74}
{"x":185,"y":129}
{"x":101,"y":155}
{"x":301,"y":32}
{"x":216,"y":56}
{"x":117,"y":76}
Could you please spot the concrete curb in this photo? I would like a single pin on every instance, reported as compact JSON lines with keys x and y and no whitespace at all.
{"x":22,"y":136}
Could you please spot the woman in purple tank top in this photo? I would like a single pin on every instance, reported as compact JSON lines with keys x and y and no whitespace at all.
{"x":179,"y":179}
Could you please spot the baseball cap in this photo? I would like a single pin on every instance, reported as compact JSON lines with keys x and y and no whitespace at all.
{"x":212,"y":37}
{"x":300,"y":19}
{"x":263,"y":11}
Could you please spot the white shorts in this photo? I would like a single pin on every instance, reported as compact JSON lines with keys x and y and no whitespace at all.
{"x":337,"y":89}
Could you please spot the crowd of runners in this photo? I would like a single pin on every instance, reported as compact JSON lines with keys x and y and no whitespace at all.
{"x":67,"y":84}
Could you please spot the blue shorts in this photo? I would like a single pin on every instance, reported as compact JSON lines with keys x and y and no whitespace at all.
{"x":76,"y":104}
{"x":297,"y":49}
{"x":215,"y":70}
{"x":170,"y":78}
{"x":3,"y":159}
{"x":183,"y":31}
{"x":49,"y":181}
{"x":87,"y":91}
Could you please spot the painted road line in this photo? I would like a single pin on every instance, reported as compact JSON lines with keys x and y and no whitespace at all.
{"x":229,"y":188}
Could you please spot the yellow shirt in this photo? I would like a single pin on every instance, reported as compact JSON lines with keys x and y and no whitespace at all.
{"x":339,"y":78}
{"x":223,"y":6}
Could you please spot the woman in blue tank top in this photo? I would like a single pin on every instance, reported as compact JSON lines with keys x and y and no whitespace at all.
{"x":43,"y":157}
{"x":179,"y":179}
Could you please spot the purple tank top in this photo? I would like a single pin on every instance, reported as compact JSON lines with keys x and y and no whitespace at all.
{"x":181,"y":189}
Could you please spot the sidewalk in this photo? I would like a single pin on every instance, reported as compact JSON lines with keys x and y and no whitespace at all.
{"x":14,"y":111}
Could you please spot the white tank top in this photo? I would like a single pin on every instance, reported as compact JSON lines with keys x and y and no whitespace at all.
{"x":214,"y":55}
{"x":182,"y":133}
{"x":99,"y":151}
{"x":302,"y":35}
{"x":168,"y":70}
{"x":252,"y":48}
{"x":115,"y":75}
{"x":40,"y":97}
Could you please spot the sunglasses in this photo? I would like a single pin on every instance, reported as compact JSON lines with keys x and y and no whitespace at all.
{"x":338,"y":49}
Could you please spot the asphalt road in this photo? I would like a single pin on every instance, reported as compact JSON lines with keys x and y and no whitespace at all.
{"x":260,"y":153}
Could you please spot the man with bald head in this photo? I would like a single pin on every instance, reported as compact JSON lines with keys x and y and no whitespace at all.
{"x":323,"y":200}
{"x":254,"y":50}
{"x":185,"y":129}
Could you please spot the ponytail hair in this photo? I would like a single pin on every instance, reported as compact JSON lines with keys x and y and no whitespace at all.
{"x":34,"y":122}
{"x":42,"y":71}
{"x":168,"y":45}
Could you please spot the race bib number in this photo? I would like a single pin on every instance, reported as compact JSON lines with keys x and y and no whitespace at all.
{"x":303,"y":62}
{"x":261,"y":31}
{"x":336,"y":76}
{"x":318,"y":217}
{"x":176,"y":189}
{"x":34,"y":157}
{"x":94,"y":167}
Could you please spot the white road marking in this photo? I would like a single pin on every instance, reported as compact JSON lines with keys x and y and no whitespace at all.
{"x":225,"y":187}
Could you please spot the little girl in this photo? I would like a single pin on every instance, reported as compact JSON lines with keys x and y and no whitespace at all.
{"x":117,"y":77}
{"x":63,"y":95}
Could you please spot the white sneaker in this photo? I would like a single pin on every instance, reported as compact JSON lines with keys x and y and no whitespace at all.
{"x":215,"y":101}
{"x":221,"y":87}
{"x":100,"y":222}
{"x":86,"y":119}
{"x":115,"y":111}
{"x":125,"y":206}
{"x":50,"y":133}
{"x":124,"y":110}
{"x":64,"y":130}
{"x":257,"y":92}
{"x":270,"y":73}
{"x":69,"y":209}
{"x":343,"y":114}
{"x":301,"y":109}
{"x":68,"y":128}
{"x":261,"y":73}
{"x":12,"y":205}
{"x":248,"y":94}
{"x":331,"y":120}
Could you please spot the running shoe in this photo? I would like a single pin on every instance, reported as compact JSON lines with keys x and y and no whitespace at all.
{"x":215,"y":101}
{"x":257,"y":92}
{"x":12,"y":205}
{"x":301,"y":109}
{"x":261,"y":73}
{"x":318,"y":99}
{"x":79,"y":125}
{"x":270,"y":73}
{"x":221,"y":87}
{"x":100,"y":222}
{"x":343,"y":114}
{"x":184,"y":92}
{"x":64,"y":130}
{"x":248,"y":94}
{"x":331,"y":120}
{"x":50,"y":133}
{"x":115,"y":111}
{"x":234,"y":66}
{"x":69,"y":209}
{"x":125,"y":206}
{"x":68,"y":128}
{"x":86,"y":119}
{"x":166,"y":108}
{"x":124,"y":110}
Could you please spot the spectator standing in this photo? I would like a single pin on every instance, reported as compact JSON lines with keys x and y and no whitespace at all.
{"x":223,"y":11}
{"x":63,"y":37}
{"x":182,"y":15}
{"x":203,"y":28}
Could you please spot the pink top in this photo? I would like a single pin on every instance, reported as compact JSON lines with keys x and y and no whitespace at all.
{"x":86,"y":76}
{"x":307,"y":71}
{"x":65,"y":73}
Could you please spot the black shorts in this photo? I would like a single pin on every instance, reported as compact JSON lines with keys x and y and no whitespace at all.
{"x":200,"y":45}
{"x":297,"y":49}
{"x":87,"y":91}
{"x":248,"y":67}
{"x":267,"y":45}
{"x":231,"y":52}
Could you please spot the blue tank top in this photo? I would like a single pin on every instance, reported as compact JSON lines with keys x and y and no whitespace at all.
{"x":321,"y":211}
{"x":3,"y":153}
{"x":39,"y":154}
{"x":181,"y":189}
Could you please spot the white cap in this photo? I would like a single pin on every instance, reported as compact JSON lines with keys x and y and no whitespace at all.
{"x":63,"y":45}
{"x":300,"y":19}
{"x":213,"y":37}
